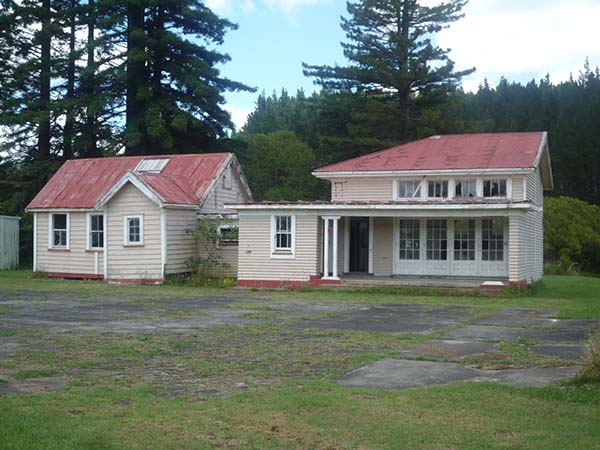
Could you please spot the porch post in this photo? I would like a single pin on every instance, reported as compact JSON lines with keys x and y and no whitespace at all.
{"x":325,"y":247}
{"x":335,"y":247}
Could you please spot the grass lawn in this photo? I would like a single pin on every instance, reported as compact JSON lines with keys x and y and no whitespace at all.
{"x":132,"y":390}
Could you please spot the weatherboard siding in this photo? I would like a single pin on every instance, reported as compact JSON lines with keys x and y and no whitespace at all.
{"x":518,"y":194}
{"x":362,"y":189}
{"x":535,"y":189}
{"x":219,"y":195}
{"x":383,"y":236}
{"x":77,"y":260}
{"x":180,"y":243}
{"x":255,"y":262}
{"x":133,"y":262}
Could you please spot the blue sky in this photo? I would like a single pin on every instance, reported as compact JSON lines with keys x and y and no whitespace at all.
{"x":518,"y":39}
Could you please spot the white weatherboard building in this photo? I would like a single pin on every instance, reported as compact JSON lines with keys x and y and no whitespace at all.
{"x":125,"y":219}
{"x":457,"y":209}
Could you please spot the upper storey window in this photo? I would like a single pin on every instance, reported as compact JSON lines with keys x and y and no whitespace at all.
{"x":494,"y":188}
{"x":465,"y":188}
{"x":437,"y":189}
{"x":409,"y":189}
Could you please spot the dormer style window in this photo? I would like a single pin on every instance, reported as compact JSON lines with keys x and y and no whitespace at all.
{"x":465,"y":188}
{"x":437,"y":189}
{"x":151,"y":165}
{"x":494,"y":188}
{"x":409,"y":189}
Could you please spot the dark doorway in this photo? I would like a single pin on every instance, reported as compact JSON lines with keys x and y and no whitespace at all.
{"x":359,"y":244}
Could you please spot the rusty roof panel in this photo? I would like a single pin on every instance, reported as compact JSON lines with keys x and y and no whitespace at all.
{"x":80,"y":183}
{"x":451,"y":152}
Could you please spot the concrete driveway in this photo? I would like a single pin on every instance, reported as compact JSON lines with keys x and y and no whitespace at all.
{"x":460,"y":344}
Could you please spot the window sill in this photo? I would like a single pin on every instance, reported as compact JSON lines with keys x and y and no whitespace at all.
{"x":94,"y":250}
{"x":59,"y":249}
{"x":133,"y":245}
{"x":282,"y":255}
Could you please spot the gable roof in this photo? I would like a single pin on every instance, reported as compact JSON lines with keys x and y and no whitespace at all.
{"x":82,"y":183}
{"x":451,"y":152}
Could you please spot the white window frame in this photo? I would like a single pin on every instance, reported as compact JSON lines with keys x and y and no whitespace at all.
{"x":126,"y":242}
{"x":472,"y":182}
{"x":441,"y":187}
{"x":283,"y":253}
{"x":498,"y":180}
{"x":227,"y":227}
{"x":51,"y":231}
{"x":88,"y":245}
{"x":417,"y":193}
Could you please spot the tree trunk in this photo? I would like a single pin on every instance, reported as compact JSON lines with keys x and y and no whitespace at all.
{"x":404,"y":19}
{"x":70,"y":119}
{"x":44,"y":117}
{"x":135,"y":77}
{"x":90,"y":133}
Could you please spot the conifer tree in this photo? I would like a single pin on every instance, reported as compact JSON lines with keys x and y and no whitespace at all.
{"x":392,"y":57}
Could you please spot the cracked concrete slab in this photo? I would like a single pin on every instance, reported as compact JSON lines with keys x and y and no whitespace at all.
{"x":401,"y":374}
{"x":500,"y":333}
{"x":566,"y":352}
{"x":449,"y":350}
{"x":528,"y":321}
{"x":421,"y":319}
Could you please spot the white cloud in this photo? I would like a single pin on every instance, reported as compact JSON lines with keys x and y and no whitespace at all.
{"x":235,"y":7}
{"x":239,"y":115}
{"x":520,"y":39}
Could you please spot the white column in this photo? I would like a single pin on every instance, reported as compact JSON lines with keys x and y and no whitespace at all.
{"x":325,"y":247}
{"x":335,"y":247}
{"x":371,"y":231}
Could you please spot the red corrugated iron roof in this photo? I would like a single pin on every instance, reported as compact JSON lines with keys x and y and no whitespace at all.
{"x":80,"y":183}
{"x":451,"y":152}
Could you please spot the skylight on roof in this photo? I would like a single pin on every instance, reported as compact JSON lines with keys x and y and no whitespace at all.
{"x":151,"y":165}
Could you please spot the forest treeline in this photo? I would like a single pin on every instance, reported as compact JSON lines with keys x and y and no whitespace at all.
{"x":337,"y":126}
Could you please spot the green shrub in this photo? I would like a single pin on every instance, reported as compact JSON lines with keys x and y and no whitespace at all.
{"x":590,"y":370}
{"x":572,"y":234}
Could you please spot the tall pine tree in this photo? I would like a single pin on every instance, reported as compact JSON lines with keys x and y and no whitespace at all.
{"x":392,"y":57}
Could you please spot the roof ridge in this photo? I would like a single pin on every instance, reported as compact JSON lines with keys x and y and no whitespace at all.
{"x":130,"y":157}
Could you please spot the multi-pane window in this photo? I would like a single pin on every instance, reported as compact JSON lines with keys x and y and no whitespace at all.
{"x":59,"y":230}
{"x":134,"y":232}
{"x":494,"y":188}
{"x":437,"y":239}
{"x":283,"y":233}
{"x":464,"y":240}
{"x":409,"y":238}
{"x":492,"y":239}
{"x":229,"y":234}
{"x":409,"y":189}
{"x":465,"y":188}
{"x":437,"y":189}
{"x":96,"y":231}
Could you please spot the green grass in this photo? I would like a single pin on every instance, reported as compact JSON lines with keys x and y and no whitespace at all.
{"x":268,"y":385}
{"x":34,"y":373}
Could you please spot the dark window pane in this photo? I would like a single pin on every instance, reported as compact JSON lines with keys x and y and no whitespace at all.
{"x":60,"y":221}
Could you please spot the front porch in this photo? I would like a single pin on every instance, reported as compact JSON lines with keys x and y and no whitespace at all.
{"x":458,"y":250}
{"x":440,"y":282}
